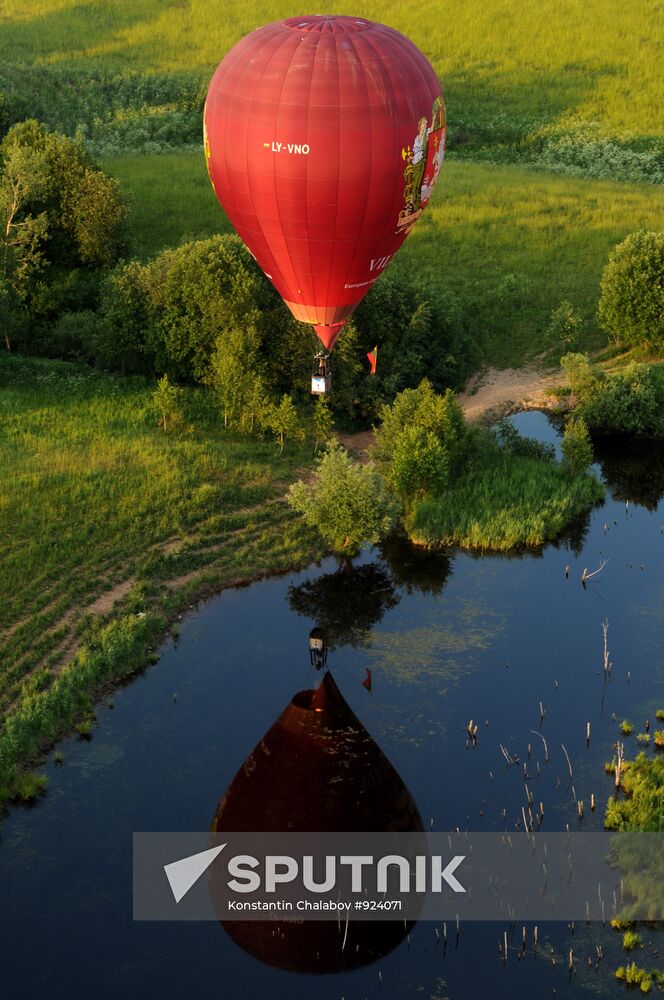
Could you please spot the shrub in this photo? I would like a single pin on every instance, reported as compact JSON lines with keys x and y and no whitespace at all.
{"x":634,"y":976}
{"x":166,"y":402}
{"x":347,"y":503}
{"x":421,"y":442}
{"x":577,"y":447}
{"x":631,"y":305}
{"x":627,"y":402}
{"x":626,"y":728}
{"x":73,"y":337}
{"x":565,"y":326}
{"x":420,"y":464}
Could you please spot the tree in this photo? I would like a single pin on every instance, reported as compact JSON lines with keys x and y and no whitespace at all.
{"x":284,"y":422}
{"x":126,"y":314}
{"x":166,"y":401}
{"x":420,"y":464}
{"x":584,"y":377}
{"x":346,"y":605}
{"x":565,"y":326}
{"x":631,"y":305}
{"x":348,"y":503}
{"x":577,"y":447}
{"x":23,"y":181}
{"x":235,"y":374}
{"x":434,"y":417}
{"x":58,"y":212}
{"x":323,"y":422}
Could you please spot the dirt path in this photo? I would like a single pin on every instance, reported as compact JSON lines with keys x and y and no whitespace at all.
{"x":497,"y":389}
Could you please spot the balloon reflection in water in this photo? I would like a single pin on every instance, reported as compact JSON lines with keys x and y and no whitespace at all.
{"x":317,"y":769}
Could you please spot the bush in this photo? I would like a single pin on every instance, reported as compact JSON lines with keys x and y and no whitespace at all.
{"x":423,"y":409}
{"x":577,"y":447}
{"x":347,"y":503}
{"x":627,"y":402}
{"x":631,"y":305}
{"x":626,"y":728}
{"x":565,"y":326}
{"x":73,"y":337}
{"x":420,"y":464}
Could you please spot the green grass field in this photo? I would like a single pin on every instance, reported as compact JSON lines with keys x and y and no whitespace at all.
{"x":599,"y":59}
{"x":96,"y":497}
{"x":523,"y":238}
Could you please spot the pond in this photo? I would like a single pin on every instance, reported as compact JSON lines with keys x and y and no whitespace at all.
{"x":447,"y":638}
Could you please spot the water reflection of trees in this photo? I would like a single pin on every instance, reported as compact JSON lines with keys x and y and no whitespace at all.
{"x":416,"y":569}
{"x":633,"y":469}
{"x":347,"y":604}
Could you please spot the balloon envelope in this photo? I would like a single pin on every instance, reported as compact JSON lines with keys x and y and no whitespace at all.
{"x":324,"y":137}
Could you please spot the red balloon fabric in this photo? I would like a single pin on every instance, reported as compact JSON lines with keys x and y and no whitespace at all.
{"x":324,"y":137}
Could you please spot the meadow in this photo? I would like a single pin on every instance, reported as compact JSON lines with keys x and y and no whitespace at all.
{"x":512,"y":242}
{"x":531,"y":61}
{"x":98,"y":502}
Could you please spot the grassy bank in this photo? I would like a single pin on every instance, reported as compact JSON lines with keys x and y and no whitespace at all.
{"x":512,"y":242}
{"x":505,"y":502}
{"x":100,"y":506}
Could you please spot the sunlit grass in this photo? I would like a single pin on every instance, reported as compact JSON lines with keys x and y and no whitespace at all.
{"x":507,"y":502}
{"x":92,"y":490}
{"x":538,"y":60}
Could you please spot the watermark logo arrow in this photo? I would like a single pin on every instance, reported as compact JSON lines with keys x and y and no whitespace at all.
{"x":183,"y":874}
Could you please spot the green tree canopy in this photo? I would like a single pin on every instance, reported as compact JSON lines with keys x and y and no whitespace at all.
{"x":577,"y":447}
{"x":59,"y":213}
{"x":421,"y":442}
{"x":631,"y":305}
{"x":348,"y":503}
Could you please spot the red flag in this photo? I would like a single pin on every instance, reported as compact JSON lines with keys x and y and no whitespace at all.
{"x":367,"y":680}
{"x":372,"y":357}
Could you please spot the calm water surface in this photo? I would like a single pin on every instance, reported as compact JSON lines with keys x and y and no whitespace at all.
{"x":447,"y":638}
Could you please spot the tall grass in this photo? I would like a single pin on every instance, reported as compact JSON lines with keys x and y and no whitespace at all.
{"x":507,"y":501}
{"x":93,"y":493}
{"x":510,"y":241}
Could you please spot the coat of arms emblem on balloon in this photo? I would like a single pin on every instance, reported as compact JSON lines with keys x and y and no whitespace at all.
{"x":423,"y":159}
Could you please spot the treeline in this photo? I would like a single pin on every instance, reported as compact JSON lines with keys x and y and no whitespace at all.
{"x":203,"y":312}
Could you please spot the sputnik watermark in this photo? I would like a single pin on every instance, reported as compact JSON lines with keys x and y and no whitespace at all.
{"x":383,"y":876}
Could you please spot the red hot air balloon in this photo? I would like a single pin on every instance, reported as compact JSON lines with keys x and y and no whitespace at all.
{"x":324,"y":137}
